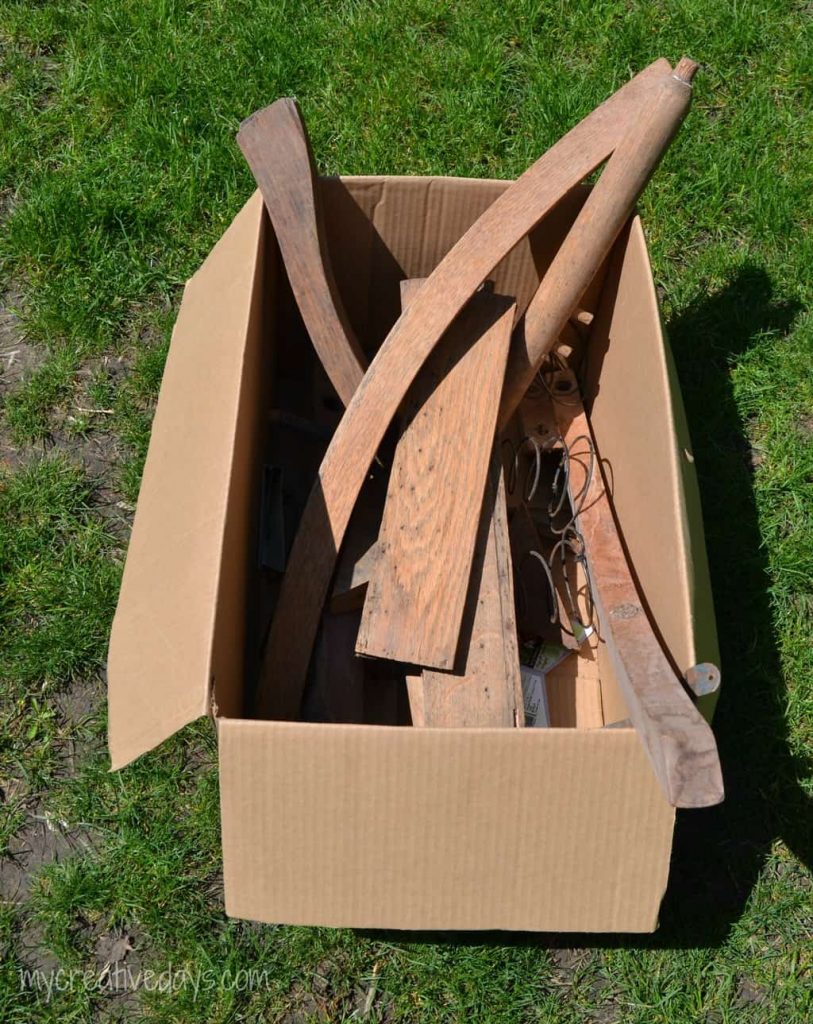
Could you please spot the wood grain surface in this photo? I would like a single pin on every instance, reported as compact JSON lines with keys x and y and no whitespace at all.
{"x":276,"y":147}
{"x":677,"y":738}
{"x":383,"y":388}
{"x":418,"y":585}
{"x":486,"y":688}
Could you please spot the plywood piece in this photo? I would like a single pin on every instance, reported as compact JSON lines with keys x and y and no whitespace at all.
{"x":487,"y":689}
{"x":276,"y":147}
{"x":677,"y":738}
{"x":419,"y":329}
{"x":418,"y":586}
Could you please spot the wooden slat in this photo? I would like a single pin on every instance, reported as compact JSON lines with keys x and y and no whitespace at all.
{"x":276,"y":147}
{"x":383,"y":388}
{"x":418,"y":586}
{"x":486,"y":690}
{"x":677,"y":738}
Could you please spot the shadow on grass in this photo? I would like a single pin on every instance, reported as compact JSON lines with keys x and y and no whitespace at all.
{"x":718,"y":853}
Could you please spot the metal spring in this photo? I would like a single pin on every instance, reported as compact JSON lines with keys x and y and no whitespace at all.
{"x":570,"y":540}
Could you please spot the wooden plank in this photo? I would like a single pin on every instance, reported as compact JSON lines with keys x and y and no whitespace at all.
{"x":420,"y":579}
{"x":383,"y":388}
{"x":276,"y":147}
{"x":487,"y":688}
{"x":677,"y":738}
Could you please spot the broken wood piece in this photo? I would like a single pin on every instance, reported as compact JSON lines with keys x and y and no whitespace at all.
{"x":677,"y":738}
{"x":486,"y":689}
{"x":276,"y":147}
{"x":420,"y":327}
{"x":352,"y":576}
{"x":417,"y":590}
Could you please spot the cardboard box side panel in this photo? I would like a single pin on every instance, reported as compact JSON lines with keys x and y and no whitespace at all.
{"x":240,"y":554}
{"x":377,"y":827}
{"x":701,"y":603}
{"x":382,"y":230}
{"x":160,"y":646}
{"x":632,"y":416}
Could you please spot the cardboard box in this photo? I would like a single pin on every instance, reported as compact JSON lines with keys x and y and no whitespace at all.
{"x":561,"y":829}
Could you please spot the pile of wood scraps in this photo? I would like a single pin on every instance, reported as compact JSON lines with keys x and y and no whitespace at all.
{"x":483,"y":563}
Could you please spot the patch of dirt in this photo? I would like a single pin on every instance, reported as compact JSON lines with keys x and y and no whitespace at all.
{"x":118,"y":966}
{"x":806,"y":426}
{"x":33,"y":953}
{"x":76,"y":704}
{"x":331,"y":996}
{"x":748,"y":994}
{"x":42,"y":840}
{"x":99,"y":453}
{"x":76,"y":707}
{"x":17,"y":357}
{"x":569,"y":959}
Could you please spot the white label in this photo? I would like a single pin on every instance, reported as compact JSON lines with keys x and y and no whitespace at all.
{"x":535,"y":698}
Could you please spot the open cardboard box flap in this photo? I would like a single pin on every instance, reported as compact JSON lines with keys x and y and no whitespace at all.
{"x":160,"y":662}
{"x":541,"y":829}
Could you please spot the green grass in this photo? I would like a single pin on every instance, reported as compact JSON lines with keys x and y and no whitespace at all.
{"x":118,"y":170}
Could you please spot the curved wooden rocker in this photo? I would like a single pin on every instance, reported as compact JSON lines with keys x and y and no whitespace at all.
{"x":648,"y":110}
{"x":276,"y":147}
{"x":677,"y":739}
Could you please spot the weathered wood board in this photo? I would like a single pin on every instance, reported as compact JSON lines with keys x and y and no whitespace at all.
{"x":486,"y":689}
{"x":677,"y":738}
{"x":418,"y":586}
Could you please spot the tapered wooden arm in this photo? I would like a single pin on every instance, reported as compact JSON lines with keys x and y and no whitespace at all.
{"x":597,"y":226}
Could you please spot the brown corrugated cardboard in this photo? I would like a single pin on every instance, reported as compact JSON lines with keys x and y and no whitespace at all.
{"x":544,"y":829}
{"x":160,"y":662}
{"x":527,"y":829}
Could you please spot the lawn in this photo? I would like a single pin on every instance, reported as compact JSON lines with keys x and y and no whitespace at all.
{"x":118,"y":170}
